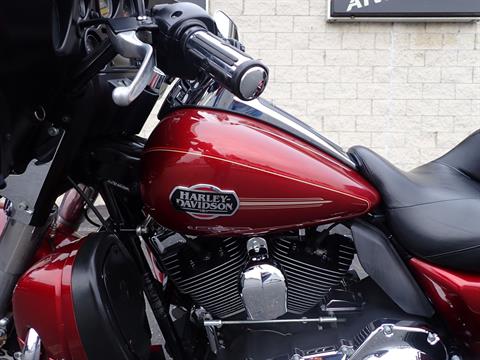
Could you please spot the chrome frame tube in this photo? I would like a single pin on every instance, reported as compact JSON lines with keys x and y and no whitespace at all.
{"x":18,"y":243}
{"x":320,"y":320}
{"x":70,"y":212}
{"x":33,"y":346}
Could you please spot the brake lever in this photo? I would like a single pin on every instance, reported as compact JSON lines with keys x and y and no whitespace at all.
{"x":129,"y":45}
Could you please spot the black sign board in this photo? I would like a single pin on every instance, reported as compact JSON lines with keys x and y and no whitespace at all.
{"x":459,"y":10}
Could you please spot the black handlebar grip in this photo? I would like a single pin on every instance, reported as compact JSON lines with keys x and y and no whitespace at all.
{"x":239,"y":73}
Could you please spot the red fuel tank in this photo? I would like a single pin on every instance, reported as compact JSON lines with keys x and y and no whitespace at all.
{"x":211,"y":172}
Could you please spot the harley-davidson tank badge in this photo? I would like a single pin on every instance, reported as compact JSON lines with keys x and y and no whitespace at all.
{"x":205,"y":201}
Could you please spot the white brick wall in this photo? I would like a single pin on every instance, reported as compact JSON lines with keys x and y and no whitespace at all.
{"x":409,"y":91}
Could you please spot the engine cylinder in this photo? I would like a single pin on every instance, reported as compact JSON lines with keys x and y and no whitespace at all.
{"x":210,"y":272}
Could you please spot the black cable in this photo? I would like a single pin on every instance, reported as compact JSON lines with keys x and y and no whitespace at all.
{"x":89,"y":203}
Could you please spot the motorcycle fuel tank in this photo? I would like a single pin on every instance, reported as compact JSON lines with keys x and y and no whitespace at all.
{"x":212,"y":172}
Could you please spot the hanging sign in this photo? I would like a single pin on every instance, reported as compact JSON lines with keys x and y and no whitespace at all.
{"x":406,"y":10}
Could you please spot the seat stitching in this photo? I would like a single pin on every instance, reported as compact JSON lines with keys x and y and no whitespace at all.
{"x":454,"y":168}
{"x":452,"y":252}
{"x":433,"y":202}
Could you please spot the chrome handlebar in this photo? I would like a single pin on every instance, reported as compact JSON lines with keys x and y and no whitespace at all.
{"x":234,"y":69}
{"x":197,"y":47}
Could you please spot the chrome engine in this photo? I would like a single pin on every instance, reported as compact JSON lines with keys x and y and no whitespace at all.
{"x":290,"y":297}
{"x":402,"y":340}
{"x":259,"y":278}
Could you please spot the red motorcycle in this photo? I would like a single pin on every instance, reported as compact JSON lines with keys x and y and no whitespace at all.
{"x":249,"y":235}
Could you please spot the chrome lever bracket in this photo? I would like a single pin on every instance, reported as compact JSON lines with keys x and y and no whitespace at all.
{"x":32,"y":348}
{"x":23,"y":190}
{"x":129,"y":45}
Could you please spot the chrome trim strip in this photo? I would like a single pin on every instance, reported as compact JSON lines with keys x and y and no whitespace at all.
{"x":210,"y":95}
{"x":33,"y":346}
{"x":307,"y":133}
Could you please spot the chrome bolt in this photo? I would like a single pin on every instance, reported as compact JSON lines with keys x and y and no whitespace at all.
{"x":17,"y":355}
{"x":141,"y":230}
{"x":346,"y":350}
{"x":455,"y":357}
{"x":432,"y":338}
{"x":53,"y":131}
{"x":4,"y":322}
{"x":388,"y":330}
{"x":40,"y":113}
{"x":3,"y":337}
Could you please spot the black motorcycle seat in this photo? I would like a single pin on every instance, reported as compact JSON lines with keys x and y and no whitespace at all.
{"x":434,"y":210}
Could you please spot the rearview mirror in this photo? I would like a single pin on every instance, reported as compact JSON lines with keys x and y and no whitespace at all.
{"x":225,"y":25}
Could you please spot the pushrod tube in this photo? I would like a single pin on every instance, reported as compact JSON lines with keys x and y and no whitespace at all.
{"x":71,"y":210}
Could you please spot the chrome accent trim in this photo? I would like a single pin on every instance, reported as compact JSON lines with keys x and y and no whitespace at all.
{"x":129,"y":45}
{"x":263,"y":285}
{"x":158,"y":80}
{"x":253,"y":82}
{"x":403,"y":340}
{"x":33,"y":346}
{"x":211,"y":96}
{"x":212,"y":336}
{"x":327,"y":355}
{"x":5,"y":325}
{"x":40,"y":114}
{"x":301,"y":128}
{"x":264,"y":292}
{"x":256,"y":244}
{"x":23,"y":190}
{"x":319,"y":320}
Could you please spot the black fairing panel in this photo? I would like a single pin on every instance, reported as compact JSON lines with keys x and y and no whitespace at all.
{"x":107,"y":292}
{"x":29,"y":66}
{"x":30,"y":72}
{"x":382,"y":262}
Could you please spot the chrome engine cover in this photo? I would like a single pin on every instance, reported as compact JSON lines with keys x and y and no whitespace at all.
{"x":264,"y":289}
{"x":403,"y":340}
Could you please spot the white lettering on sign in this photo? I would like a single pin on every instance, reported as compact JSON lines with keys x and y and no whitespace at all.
{"x":361,"y":3}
